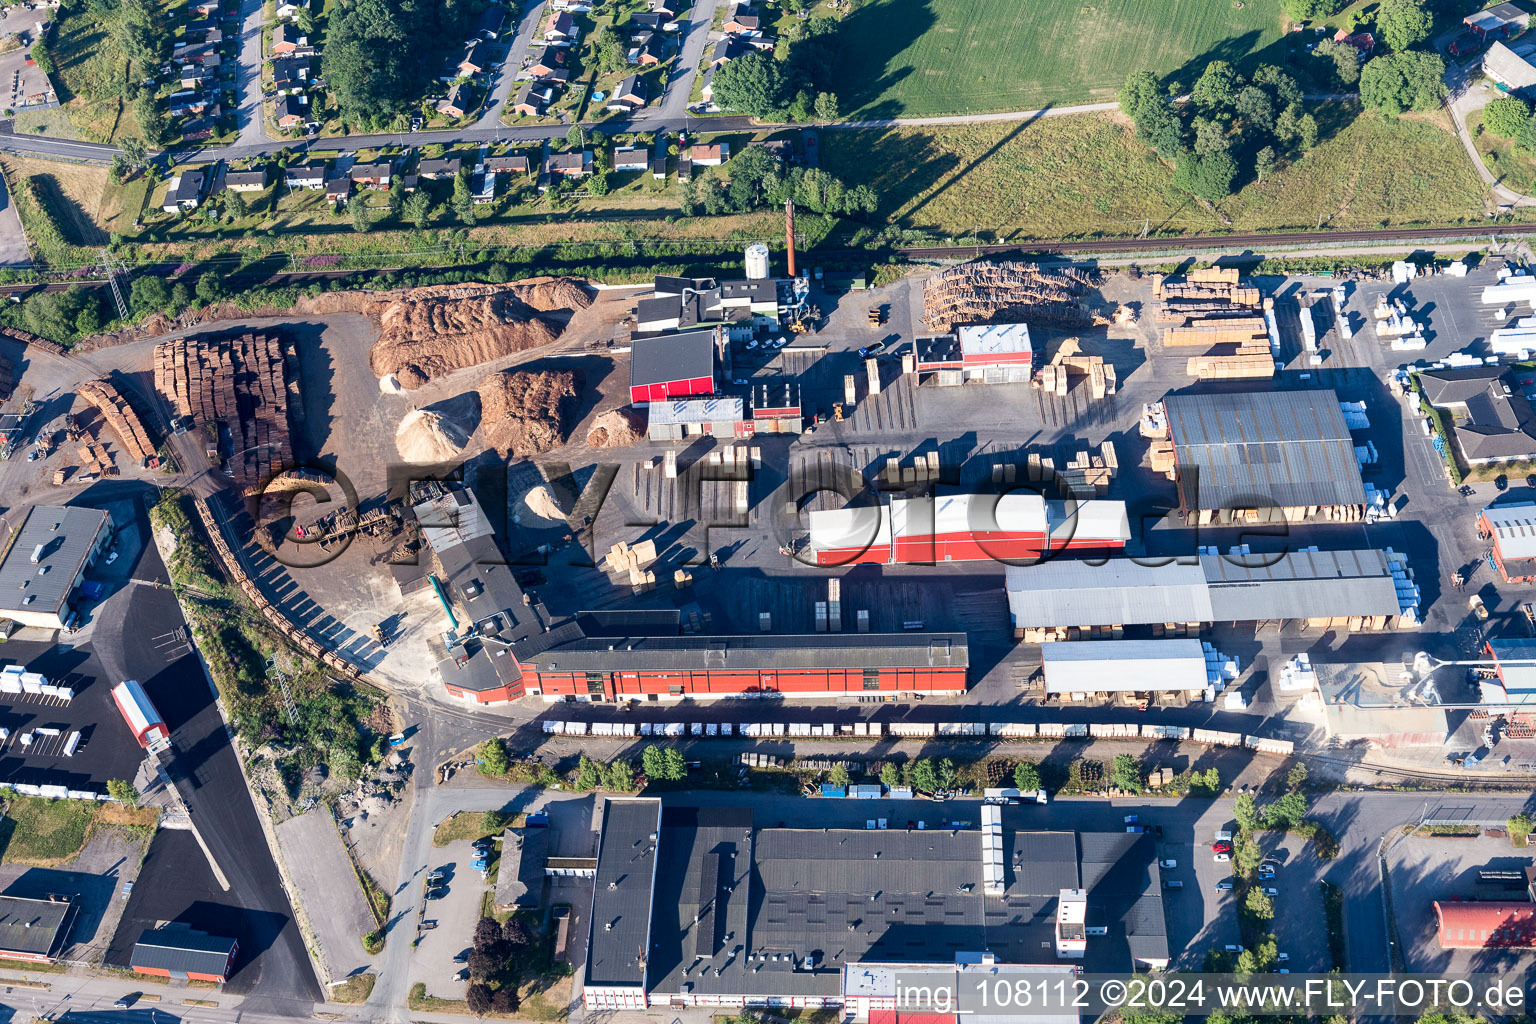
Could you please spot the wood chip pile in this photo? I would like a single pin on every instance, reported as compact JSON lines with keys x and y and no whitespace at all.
{"x":1009,"y":291}
{"x":125,"y":423}
{"x":250,"y":384}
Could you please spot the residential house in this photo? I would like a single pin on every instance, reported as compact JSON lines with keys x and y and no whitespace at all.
{"x":646,"y":49}
{"x":457,"y":103}
{"x":492,"y":20}
{"x":1490,"y":417}
{"x":195,"y":78}
{"x":182,"y":104}
{"x":630,"y":94}
{"x":574,"y":6}
{"x":511,"y":163}
{"x":1511,"y":72}
{"x":743,"y":20}
{"x":204,"y":8}
{"x":309,"y":176}
{"x":198,"y":128}
{"x":707,"y":86}
{"x":659,"y":158}
{"x":195,"y":28}
{"x":562,"y":29}
{"x":338,"y":188}
{"x":246,"y":181}
{"x":287,"y":10}
{"x":670,"y":8}
{"x":646,"y":22}
{"x":477,"y":57}
{"x":204,"y":55}
{"x":552,"y":64}
{"x":293,"y":112}
{"x":290,"y":77}
{"x":569,"y":165}
{"x":631,"y":158}
{"x":532,"y":98}
{"x":710,"y":155}
{"x":286,"y":39}
{"x":437,"y":170}
{"x":730,"y":48}
{"x":684,"y":163}
{"x":186,"y":190}
{"x":376,"y":175}
{"x":1362,"y":41}
{"x":206,"y":32}
{"x":482,"y":187}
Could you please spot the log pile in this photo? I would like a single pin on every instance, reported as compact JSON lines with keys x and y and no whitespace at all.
{"x":7,"y":379}
{"x":249,"y":383}
{"x":120,"y":416}
{"x":1008,"y":291}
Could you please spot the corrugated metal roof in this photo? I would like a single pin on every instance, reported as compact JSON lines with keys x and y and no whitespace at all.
{"x":1514,"y":528}
{"x":182,"y":950}
{"x":1300,"y":585}
{"x":1263,"y":449}
{"x":698,"y":410}
{"x":1096,"y":666}
{"x":1510,"y":68}
{"x":67,"y":535}
{"x":994,"y":339}
{"x":672,"y":357}
{"x":1066,"y":592}
{"x":621,"y":912}
{"x":807,"y":651}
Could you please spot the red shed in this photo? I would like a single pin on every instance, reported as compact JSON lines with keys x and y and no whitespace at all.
{"x":142,"y":718}
{"x":673,"y":366}
{"x":1482,"y":925}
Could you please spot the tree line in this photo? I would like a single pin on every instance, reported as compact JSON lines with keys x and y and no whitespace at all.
{"x":380,"y":55}
{"x":794,"y":88}
{"x":758,"y":179}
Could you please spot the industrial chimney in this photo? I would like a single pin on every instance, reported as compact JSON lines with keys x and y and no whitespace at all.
{"x":789,"y":233}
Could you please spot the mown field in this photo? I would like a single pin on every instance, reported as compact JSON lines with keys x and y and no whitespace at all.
{"x":1087,"y":176}
{"x":911,"y":58}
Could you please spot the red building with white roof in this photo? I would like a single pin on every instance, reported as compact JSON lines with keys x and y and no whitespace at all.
{"x":991,"y":353}
{"x":965,"y":527}
{"x":143,"y":720}
{"x":1512,"y":531}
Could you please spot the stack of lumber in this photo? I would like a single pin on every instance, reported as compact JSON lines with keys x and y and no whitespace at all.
{"x":1090,"y":474}
{"x":1212,"y":309}
{"x":249,"y":384}
{"x":626,"y":562}
{"x":1237,"y":365}
{"x":1007,"y":291}
{"x":125,"y":423}
{"x":1162,"y":458}
{"x":95,"y":459}
{"x":1237,"y":330}
{"x":1055,"y":376}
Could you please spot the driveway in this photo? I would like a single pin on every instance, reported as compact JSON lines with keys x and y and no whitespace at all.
{"x":1466,"y":95}
{"x":695,"y":36}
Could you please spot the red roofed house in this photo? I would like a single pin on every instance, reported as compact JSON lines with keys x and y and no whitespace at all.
{"x":1362,"y":41}
{"x":1485,"y":925}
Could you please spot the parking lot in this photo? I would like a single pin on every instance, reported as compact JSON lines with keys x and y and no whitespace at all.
{"x":1301,"y":922}
{"x":20,"y":81}
{"x":452,"y":914}
{"x":1424,"y":869}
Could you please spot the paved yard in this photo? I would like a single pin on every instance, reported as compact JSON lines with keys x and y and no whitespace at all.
{"x":1424,"y":869}
{"x":110,"y":859}
{"x":455,"y":914}
{"x":328,"y":888}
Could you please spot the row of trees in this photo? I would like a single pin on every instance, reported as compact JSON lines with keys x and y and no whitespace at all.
{"x":500,"y":953}
{"x":379,"y":54}
{"x":758,"y":179}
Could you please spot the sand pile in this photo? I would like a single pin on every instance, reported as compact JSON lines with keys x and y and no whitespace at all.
{"x":524,"y":412}
{"x":426,"y":438}
{"x":617,"y":428}
{"x":428,"y":332}
{"x":389,"y":385}
{"x":542,"y":504}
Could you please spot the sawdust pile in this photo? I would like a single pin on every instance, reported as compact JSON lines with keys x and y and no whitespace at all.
{"x":426,"y":438}
{"x":617,"y":428}
{"x":524,"y":412}
{"x":389,"y":385}
{"x":542,"y":504}
{"x":428,"y":332}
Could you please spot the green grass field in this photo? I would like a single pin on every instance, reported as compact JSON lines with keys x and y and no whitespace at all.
{"x":912,"y":58}
{"x":1088,"y":176}
{"x":45,"y":832}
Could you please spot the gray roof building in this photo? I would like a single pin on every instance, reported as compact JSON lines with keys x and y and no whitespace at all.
{"x":1069,"y":592}
{"x":181,"y":951}
{"x":1493,"y":422}
{"x":55,"y":546}
{"x":586,"y":652}
{"x":1263,"y":450}
{"x":1305,"y":584}
{"x":742,"y":908}
{"x":1512,"y":528}
{"x":1508,"y":68}
{"x":34,"y":929}
{"x":626,"y":876}
{"x":520,"y":879}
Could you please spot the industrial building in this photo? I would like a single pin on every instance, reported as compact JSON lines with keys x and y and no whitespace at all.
{"x":520,"y":878}
{"x":776,"y":408}
{"x":1360,"y":589}
{"x":709,"y":907}
{"x":183,"y":953}
{"x":1177,"y":667}
{"x":677,"y":365}
{"x":678,"y":419}
{"x":500,"y":645}
{"x":1485,"y":924}
{"x":990,"y":353}
{"x":1511,"y":529}
{"x":1509,"y":686}
{"x":1372,"y":704}
{"x":683,"y":303}
{"x":964,"y":527}
{"x":1270,"y":456}
{"x":47,"y":563}
{"x":1492,"y":421}
{"x":35,"y":929}
{"x":143,"y":720}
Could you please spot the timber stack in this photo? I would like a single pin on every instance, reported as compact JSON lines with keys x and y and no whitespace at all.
{"x":123,"y":420}
{"x":1008,"y":291}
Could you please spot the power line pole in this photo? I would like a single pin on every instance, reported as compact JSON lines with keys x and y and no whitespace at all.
{"x":117,"y":293}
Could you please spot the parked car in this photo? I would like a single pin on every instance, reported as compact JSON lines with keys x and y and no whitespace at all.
{"x":871,"y":349}
{"x":1223,"y":835}
{"x":461,"y":957}
{"x":1168,"y":865}
{"x":1225,"y":885}
{"x":1271,"y":891}
{"x":1221,"y":846}
{"x":1283,"y":958}
{"x":1222,"y":858}
{"x":1133,"y":819}
{"x":462,"y":975}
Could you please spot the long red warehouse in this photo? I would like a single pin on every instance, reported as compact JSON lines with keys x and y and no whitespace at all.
{"x":965,"y":527}
{"x":142,"y":718}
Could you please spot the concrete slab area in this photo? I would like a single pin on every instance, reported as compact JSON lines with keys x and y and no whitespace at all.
{"x":328,"y":888}
{"x":96,"y":876}
{"x":1424,"y":869}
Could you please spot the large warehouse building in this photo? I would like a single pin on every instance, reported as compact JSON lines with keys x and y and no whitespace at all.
{"x":708,"y":907}
{"x":965,"y":527}
{"x":1267,"y":456}
{"x":499,"y":647}
{"x":1485,"y":924}
{"x":677,"y":365}
{"x":1361,"y":589}
{"x":47,"y":562}
{"x":1075,"y":670}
